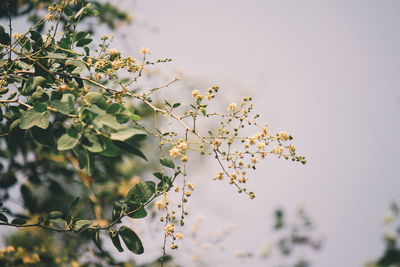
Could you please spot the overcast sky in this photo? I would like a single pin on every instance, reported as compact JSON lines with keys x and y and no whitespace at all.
{"x":325,"y":71}
{"x":328,"y":73}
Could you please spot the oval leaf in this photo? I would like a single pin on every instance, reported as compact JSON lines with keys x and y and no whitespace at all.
{"x":115,"y":240}
{"x":141,"y":192}
{"x":125,"y":134}
{"x":3,"y":217}
{"x":67,"y":142}
{"x":32,"y":118}
{"x":167,"y":163}
{"x":131,"y":240}
{"x":18,"y":221}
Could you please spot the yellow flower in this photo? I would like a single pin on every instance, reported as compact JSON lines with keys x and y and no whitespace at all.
{"x":100,"y":64}
{"x":116,"y":64}
{"x":242,"y":180}
{"x":261,"y":145}
{"x":169,"y":229}
{"x":144,"y":50}
{"x":183,"y":146}
{"x":179,"y":235}
{"x":231,"y":107}
{"x":216,"y":143}
{"x":16,"y":35}
{"x":254,"y":160}
{"x":191,"y":186}
{"x":184,"y":158}
{"x":283,"y":135}
{"x":195,"y":93}
{"x":277,"y":150}
{"x":113,"y":52}
{"x":219,"y":176}
{"x":252,"y":141}
{"x":131,"y":60}
{"x":159,"y":205}
{"x":210,"y":96}
{"x":174,"y":152}
{"x":49,"y":17}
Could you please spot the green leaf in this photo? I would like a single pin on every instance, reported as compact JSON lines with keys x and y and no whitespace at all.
{"x":68,"y":11}
{"x":113,"y":108}
{"x":80,"y":12}
{"x":164,"y":185}
{"x":141,"y":192}
{"x":110,"y":150}
{"x":135,"y":117}
{"x":18,"y":221}
{"x":139,"y":214}
{"x":4,"y":37}
{"x":167,"y":163}
{"x":74,"y":203}
{"x":67,"y":142}
{"x":55,"y":215}
{"x":115,"y":240}
{"x":61,"y":107}
{"x":3,"y":217}
{"x":107,"y":120}
{"x":56,"y":55}
{"x":36,"y":36}
{"x":159,"y":175}
{"x":176,"y":105}
{"x":83,"y":42}
{"x":81,"y":35}
{"x":95,"y":145}
{"x":116,"y":212}
{"x":130,"y":148}
{"x":32,"y":118}
{"x":43,"y":136}
{"x":40,"y":107}
{"x":96,"y":98}
{"x":29,"y":200}
{"x":31,"y":85}
{"x":82,"y":225}
{"x":80,"y":66}
{"x":96,"y":238}
{"x":131,"y":240}
{"x":125,"y":134}
{"x":59,"y":221}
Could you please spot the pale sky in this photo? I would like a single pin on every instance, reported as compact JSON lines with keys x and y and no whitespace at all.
{"x":327,"y":72}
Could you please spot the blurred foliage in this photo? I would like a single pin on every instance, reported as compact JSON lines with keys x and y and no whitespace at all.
{"x":105,"y":12}
{"x":295,"y":236}
{"x":391,"y":255}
